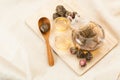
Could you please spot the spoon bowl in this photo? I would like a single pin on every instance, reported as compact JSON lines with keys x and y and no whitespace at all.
{"x":44,"y":27}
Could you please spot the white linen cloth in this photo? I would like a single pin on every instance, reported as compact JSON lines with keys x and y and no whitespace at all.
{"x":23,"y":54}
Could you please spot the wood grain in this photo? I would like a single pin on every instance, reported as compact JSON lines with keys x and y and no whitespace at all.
{"x":42,"y":21}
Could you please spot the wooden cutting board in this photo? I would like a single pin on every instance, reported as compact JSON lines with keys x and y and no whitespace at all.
{"x":109,"y":43}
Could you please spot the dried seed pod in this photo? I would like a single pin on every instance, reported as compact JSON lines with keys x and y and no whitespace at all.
{"x":73,"y":50}
{"x":55,"y":15}
{"x":61,"y":10}
{"x":89,"y":56}
{"x":80,"y":54}
{"x":73,"y":14}
{"x":67,"y":13}
{"x":44,"y":28}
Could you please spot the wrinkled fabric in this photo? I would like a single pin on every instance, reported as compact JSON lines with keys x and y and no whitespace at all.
{"x":23,"y":54}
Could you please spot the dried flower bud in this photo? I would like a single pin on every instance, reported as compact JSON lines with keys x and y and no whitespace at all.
{"x":61,"y":10}
{"x":82,"y":62}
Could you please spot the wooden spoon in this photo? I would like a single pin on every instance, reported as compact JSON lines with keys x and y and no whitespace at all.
{"x":44,"y":27}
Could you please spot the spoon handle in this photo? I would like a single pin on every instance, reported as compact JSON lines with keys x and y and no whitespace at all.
{"x":49,"y":53}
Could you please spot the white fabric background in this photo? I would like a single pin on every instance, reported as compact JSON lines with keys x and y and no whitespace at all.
{"x":21,"y":51}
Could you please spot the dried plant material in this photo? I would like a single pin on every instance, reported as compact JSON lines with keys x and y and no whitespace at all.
{"x":62,"y":12}
{"x":89,"y":31}
{"x":55,"y":15}
{"x":88,"y":37}
{"x":44,"y":28}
